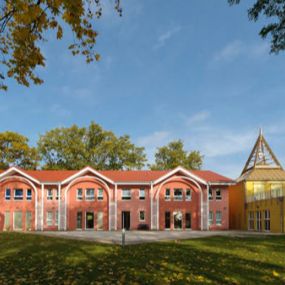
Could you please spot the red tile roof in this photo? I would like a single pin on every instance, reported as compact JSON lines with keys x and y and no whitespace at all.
{"x":122,"y":175}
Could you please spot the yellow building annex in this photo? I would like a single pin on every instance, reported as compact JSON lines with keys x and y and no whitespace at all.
{"x":257,"y":199}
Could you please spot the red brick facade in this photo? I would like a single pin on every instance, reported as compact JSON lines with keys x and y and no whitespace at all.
{"x":109,"y":200}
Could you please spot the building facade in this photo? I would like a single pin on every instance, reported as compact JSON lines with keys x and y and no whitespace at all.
{"x":257,"y":198}
{"x":178,"y":199}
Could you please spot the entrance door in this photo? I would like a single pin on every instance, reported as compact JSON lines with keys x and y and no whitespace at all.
{"x":126,"y":220}
{"x":188,"y":221}
{"x":167,"y":220}
{"x":18,"y":221}
{"x":177,"y":220}
{"x":89,"y":220}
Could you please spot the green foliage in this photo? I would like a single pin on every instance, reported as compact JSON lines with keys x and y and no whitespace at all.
{"x":24,"y":24}
{"x":34,"y":259}
{"x":74,"y":148}
{"x":173,"y":155}
{"x":275,"y":10}
{"x":14,"y":150}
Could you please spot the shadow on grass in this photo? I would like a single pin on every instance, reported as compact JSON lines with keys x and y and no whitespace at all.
{"x":32,"y":259}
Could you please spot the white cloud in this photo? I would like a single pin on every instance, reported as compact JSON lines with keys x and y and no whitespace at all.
{"x":166,"y":36}
{"x":197,"y":118}
{"x":59,"y":111}
{"x":153,"y":140}
{"x":237,"y":48}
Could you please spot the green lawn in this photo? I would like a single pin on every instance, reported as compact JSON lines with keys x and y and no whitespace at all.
{"x":33,"y":259}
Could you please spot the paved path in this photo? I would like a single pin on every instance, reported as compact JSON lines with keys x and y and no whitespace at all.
{"x":135,"y":237}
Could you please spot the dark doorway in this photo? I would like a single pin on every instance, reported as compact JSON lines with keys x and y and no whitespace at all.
{"x":89,"y":220}
{"x":167,"y":220}
{"x":126,"y":220}
{"x":188,"y":221}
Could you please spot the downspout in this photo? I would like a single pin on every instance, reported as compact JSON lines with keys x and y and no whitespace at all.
{"x":42,"y":215}
{"x":151,"y":205}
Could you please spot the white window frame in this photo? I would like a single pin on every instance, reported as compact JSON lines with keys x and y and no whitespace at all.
{"x":89,"y":197}
{"x":178,"y":197}
{"x":100,"y":194}
{"x":187,"y":196}
{"x":167,"y":197}
{"x":49,"y":219}
{"x":126,"y":194}
{"x":218,"y":197}
{"x":29,"y":197}
{"x":8,"y":197}
{"x":142,"y":220}
{"x":14,"y":220}
{"x":267,"y":220}
{"x":49,"y":194}
{"x":220,"y":220}
{"x":251,"y":220}
{"x":79,"y":197}
{"x":18,"y":198}
{"x":142,"y":196}
{"x":211,"y":218}
{"x":259,"y":221}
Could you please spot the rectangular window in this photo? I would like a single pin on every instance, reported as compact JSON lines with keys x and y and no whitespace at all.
{"x":218,"y":218}
{"x":56,"y":218}
{"x":28,"y":221}
{"x":258,"y":221}
{"x":167,"y":195}
{"x":142,"y":216}
{"x":218,"y":194}
{"x":142,"y":194}
{"x":259,"y":190}
{"x":210,"y":218}
{"x":210,"y":194}
{"x":49,"y":218}
{"x":8,"y":194}
{"x":251,"y":220}
{"x":79,"y":194}
{"x":49,"y":194}
{"x":178,"y":196}
{"x":100,"y":194}
{"x":90,"y":194}
{"x":276,"y":190}
{"x":18,"y":194}
{"x":7,"y":221}
{"x":18,"y":220}
{"x":79,"y":221}
{"x":267,"y":220}
{"x":100,"y":221}
{"x":188,"y":195}
{"x":29,"y":194}
{"x":126,"y":194}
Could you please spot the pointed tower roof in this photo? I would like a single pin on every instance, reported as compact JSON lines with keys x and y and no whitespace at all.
{"x":261,"y":162}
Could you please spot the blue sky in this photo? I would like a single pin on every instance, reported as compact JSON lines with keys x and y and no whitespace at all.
{"x":195,"y":70}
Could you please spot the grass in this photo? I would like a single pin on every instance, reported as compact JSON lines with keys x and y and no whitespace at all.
{"x":33,"y":259}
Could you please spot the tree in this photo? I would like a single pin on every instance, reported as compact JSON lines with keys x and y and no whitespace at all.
{"x":275,"y":10}
{"x":24,"y":24}
{"x":74,"y":148}
{"x":15,"y":151}
{"x":173,"y":155}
